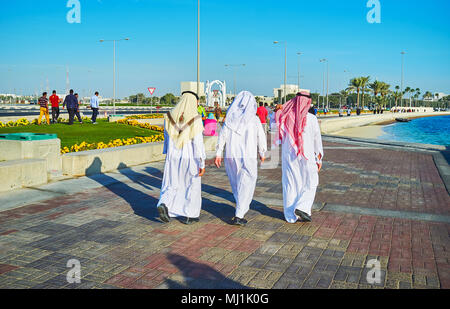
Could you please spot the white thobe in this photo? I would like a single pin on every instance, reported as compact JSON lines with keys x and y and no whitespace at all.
{"x":241,"y":162}
{"x":300,"y":176}
{"x":181,"y":186}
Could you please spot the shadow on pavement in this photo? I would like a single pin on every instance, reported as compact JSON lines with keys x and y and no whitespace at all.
{"x":142,"y":204}
{"x":199,"y":276}
{"x":221,"y":211}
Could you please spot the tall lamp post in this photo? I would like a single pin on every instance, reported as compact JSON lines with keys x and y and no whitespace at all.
{"x":114,"y":70}
{"x":234,"y":73}
{"x":285,"y":66}
{"x":323,"y":83}
{"x":401,"y":87}
{"x":299,"y":54}
{"x":198,"y":48}
{"x":328,"y":78}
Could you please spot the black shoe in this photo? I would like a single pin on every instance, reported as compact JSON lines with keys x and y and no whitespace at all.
{"x":163,"y":213}
{"x":303,"y":216}
{"x":190,"y":221}
{"x":238,"y":221}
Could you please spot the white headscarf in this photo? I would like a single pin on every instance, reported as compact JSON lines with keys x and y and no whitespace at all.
{"x":184,"y":123}
{"x":241,"y":112}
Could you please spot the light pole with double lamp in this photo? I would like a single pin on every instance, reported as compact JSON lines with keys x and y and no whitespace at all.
{"x":234,"y":73}
{"x":285,"y":66}
{"x":114,"y":70}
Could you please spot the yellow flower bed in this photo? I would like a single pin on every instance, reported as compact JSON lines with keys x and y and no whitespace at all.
{"x":147,"y":116}
{"x":136,"y":123}
{"x":18,"y":123}
{"x":114,"y":143}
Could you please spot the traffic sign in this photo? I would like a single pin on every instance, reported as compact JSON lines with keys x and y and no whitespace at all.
{"x":152,"y":90}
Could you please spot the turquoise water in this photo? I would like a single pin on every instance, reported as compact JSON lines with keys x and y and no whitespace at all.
{"x":430,"y":130}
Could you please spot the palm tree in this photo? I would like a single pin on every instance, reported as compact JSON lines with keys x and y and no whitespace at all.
{"x":344,"y":94}
{"x":384,"y":91}
{"x":397,"y":95}
{"x":376,"y":88}
{"x":411,"y":94}
{"x":364,"y":82}
{"x":355,"y":85}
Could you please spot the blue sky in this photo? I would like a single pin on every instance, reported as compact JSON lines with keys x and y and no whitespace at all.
{"x":37,"y":43}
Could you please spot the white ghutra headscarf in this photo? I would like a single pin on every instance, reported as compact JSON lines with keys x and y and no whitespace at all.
{"x":184,"y":123}
{"x":241,"y":112}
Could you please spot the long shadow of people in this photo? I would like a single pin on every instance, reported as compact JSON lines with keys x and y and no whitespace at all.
{"x":140,"y":179}
{"x":221,"y":210}
{"x":199,"y":276}
{"x":142,"y":204}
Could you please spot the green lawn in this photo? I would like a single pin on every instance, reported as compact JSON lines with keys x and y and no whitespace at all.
{"x":104,"y":131}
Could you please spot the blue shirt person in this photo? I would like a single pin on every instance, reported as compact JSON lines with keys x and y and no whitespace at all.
{"x":94,"y":107}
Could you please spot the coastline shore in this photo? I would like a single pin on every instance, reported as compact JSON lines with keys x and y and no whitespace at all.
{"x":374,"y":130}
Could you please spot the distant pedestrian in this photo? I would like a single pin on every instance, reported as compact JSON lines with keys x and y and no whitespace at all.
{"x":77,"y":111}
{"x":72,"y":105}
{"x":94,"y":107}
{"x":43,"y":103}
{"x":349,"y":112}
{"x":55,"y":100}
{"x":262,"y":114}
{"x":217,"y":112}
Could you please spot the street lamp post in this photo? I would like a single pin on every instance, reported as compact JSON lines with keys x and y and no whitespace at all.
{"x":198,"y":49}
{"x":285,"y":66}
{"x":234,"y":73}
{"x":299,"y":54}
{"x":325,"y":60}
{"x":114,"y":70}
{"x":401,"y":87}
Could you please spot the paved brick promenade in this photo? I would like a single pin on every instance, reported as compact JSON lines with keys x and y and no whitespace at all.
{"x":373,"y":203}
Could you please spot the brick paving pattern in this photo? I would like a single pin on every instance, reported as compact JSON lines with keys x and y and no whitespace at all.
{"x":115,"y":234}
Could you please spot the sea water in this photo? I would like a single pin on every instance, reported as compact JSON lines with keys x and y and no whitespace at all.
{"x":429,"y":130}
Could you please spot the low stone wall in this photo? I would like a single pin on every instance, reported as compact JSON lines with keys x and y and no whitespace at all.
{"x":48,"y":150}
{"x":17,"y":174}
{"x":105,"y":160}
{"x":329,"y":126}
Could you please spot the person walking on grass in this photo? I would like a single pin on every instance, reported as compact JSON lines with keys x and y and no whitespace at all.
{"x":77,"y":111}
{"x":55,"y":100}
{"x":43,"y":103}
{"x":72,"y":105}
{"x":94,"y":107}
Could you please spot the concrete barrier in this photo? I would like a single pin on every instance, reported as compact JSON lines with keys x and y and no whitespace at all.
{"x":48,"y":150}
{"x":105,"y":160}
{"x":17,"y":174}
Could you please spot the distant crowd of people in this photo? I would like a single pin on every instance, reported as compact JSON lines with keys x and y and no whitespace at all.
{"x":71,"y":102}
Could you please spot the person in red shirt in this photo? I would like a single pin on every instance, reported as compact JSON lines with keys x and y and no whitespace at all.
{"x":55,"y":100}
{"x":262,"y":114}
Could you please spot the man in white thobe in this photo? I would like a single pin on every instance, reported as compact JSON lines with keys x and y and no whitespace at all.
{"x":243,"y":137}
{"x":302,"y":154}
{"x":185,"y":162}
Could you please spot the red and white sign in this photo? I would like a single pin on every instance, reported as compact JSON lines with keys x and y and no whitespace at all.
{"x":152,"y":90}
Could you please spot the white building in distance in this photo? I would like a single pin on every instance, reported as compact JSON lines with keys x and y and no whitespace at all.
{"x":192,"y":86}
{"x":435,"y":98}
{"x":290,"y":89}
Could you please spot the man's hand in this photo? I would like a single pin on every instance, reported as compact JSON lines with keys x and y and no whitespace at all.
{"x":218,"y":162}
{"x":201,"y":172}
{"x":319,"y":166}
{"x":262,"y":159}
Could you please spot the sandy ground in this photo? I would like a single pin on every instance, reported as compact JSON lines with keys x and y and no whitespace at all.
{"x":374,"y":131}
